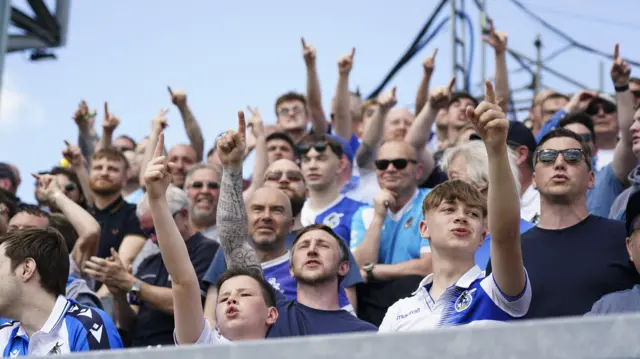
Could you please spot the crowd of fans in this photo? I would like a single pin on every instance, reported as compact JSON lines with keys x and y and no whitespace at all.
{"x":374,"y":218}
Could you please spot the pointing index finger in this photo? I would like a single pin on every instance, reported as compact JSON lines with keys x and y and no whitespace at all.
{"x":435,"y":52}
{"x":67,"y":143}
{"x":490,"y":94}
{"x":452,"y":83}
{"x":242,"y":124}
{"x":393,"y":91}
{"x":106,"y":109}
{"x":159,"y":146}
{"x":616,"y":52}
{"x":170,"y":91}
{"x":353,"y":51}
{"x":304,"y":43}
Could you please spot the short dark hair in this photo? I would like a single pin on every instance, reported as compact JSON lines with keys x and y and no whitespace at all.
{"x":581,"y":118}
{"x":342,"y":245}
{"x":62,"y":225}
{"x":47,"y":248}
{"x":130,"y":140}
{"x":563,"y":132}
{"x":457,"y":96}
{"x":312,"y":138}
{"x":283,"y":137}
{"x":112,"y":154}
{"x":291,"y":96}
{"x":267,"y":290}
{"x":73,"y":177}
{"x":9,"y":200}
{"x":32,"y":210}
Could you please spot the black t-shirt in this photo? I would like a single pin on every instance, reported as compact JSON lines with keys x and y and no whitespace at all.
{"x":570,"y":269}
{"x":117,"y":220}
{"x":154,"y":327}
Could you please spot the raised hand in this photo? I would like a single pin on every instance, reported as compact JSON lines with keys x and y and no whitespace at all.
{"x":620,"y":69}
{"x":178,"y":97}
{"x":382,"y":201}
{"x":255,"y":122}
{"x":83,"y":118}
{"x":429,"y":63}
{"x":496,"y":39}
{"x":160,"y":122}
{"x":231,"y":145}
{"x":440,"y":97}
{"x":73,"y":155}
{"x":345,"y":63}
{"x":580,"y":101}
{"x":308,"y":53}
{"x":48,"y":186}
{"x":110,"y":121}
{"x":489,"y":120}
{"x":387,"y":100}
{"x":157,"y":175}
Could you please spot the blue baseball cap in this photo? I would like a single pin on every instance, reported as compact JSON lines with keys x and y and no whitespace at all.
{"x":346,"y":147}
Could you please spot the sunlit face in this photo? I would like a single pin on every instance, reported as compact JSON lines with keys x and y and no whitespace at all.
{"x":269,"y":219}
{"x":321,"y":169}
{"x":124,"y":144}
{"x":134,"y":166}
{"x":69,"y":188}
{"x":242,"y":309}
{"x":292,"y":116}
{"x":287,"y":176}
{"x":24,"y":220}
{"x":397,"y":124}
{"x":549,"y":107}
{"x":183,"y":156}
{"x":107,"y":176}
{"x":458,"y":169}
{"x":442,"y":125}
{"x":398,"y":180}
{"x":635,"y":133}
{"x":203,"y":191}
{"x":634,"y":87}
{"x":279,"y":149}
{"x":605,"y":122}
{"x":454,"y":228}
{"x":458,"y":116}
{"x":561,"y":181}
{"x":315,"y":258}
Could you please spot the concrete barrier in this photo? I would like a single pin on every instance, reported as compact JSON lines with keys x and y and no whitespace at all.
{"x":591,"y":337}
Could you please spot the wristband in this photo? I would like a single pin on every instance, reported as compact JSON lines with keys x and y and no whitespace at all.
{"x":621,"y":88}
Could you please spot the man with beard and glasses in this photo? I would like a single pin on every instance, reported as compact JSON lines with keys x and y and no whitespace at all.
{"x":120,"y":228}
{"x":319,"y":259}
{"x":203,"y":188}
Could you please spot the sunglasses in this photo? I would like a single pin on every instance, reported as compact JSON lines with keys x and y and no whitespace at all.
{"x":636,"y":93}
{"x":398,"y":163}
{"x":124,"y":149}
{"x":319,"y":146}
{"x":571,"y":155}
{"x":286,"y":111}
{"x":210,"y":185}
{"x":585,"y":137}
{"x":69,"y":187}
{"x":594,"y":108}
{"x":291,"y":176}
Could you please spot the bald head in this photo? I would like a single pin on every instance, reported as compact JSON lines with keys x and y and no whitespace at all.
{"x":183,"y":156}
{"x":266,"y":196}
{"x":397,"y":123}
{"x":397,"y":149}
{"x":282,"y":164}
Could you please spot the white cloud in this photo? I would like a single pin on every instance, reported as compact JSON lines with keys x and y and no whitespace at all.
{"x":17,"y":108}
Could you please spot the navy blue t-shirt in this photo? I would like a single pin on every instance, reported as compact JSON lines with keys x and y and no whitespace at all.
{"x":295,"y":319}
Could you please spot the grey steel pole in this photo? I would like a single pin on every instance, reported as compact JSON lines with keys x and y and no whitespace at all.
{"x":538,"y":81}
{"x":5,"y":15}
{"x":483,"y":46}
{"x":454,"y":44}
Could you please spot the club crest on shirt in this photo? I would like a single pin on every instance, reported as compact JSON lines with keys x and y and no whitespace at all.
{"x":56,"y":349}
{"x":274,"y":283}
{"x":333,"y":219}
{"x":408,"y":223}
{"x":464,"y":300}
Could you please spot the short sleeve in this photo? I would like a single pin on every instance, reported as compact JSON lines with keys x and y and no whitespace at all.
{"x":132,"y":224}
{"x":605,"y":191}
{"x":215,"y":270}
{"x":359,"y":225}
{"x":353,"y":277}
{"x":387,"y":322}
{"x":515,"y":306}
{"x":207,"y":336}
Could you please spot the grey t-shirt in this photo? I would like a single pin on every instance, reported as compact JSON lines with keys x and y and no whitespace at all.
{"x":624,"y":301}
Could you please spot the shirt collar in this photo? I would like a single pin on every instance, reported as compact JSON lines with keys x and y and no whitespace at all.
{"x":113,"y":207}
{"x":56,"y":316}
{"x":407,"y":206}
{"x":275,"y":261}
{"x":464,"y":282}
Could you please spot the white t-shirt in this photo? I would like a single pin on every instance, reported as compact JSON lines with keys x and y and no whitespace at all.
{"x":530,"y":205}
{"x":603,"y":158}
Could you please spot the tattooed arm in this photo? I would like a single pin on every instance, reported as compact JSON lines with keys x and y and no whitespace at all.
{"x":232,"y":223}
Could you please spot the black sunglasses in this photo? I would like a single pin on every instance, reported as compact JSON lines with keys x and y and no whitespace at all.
{"x":586,"y":137}
{"x":292,"y":176}
{"x":606,"y":107}
{"x":571,"y":155}
{"x":398,"y":163}
{"x":69,"y":187}
{"x":209,"y":184}
{"x":149,"y":232}
{"x":636,"y":93}
{"x":319,"y":146}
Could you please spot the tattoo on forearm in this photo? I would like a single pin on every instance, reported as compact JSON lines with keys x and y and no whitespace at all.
{"x":232,"y":224}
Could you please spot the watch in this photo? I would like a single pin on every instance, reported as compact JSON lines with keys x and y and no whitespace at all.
{"x":135,"y":289}
{"x":368,"y":268}
{"x":621,"y":88}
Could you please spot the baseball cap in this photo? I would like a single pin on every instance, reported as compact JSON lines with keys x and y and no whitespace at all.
{"x":519,"y":135}
{"x":7,"y":172}
{"x":604,"y":97}
{"x":346,"y":147}
{"x":633,"y":211}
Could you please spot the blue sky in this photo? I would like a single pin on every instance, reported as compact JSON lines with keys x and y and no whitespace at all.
{"x":228,"y":55}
